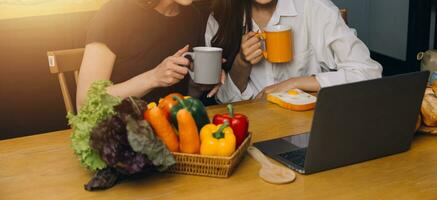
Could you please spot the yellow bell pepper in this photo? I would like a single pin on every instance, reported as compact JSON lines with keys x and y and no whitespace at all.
{"x":217,"y":140}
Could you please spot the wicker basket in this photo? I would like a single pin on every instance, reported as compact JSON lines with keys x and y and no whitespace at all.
{"x":212,"y":166}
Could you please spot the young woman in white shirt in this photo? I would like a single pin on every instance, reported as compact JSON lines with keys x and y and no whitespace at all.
{"x":326,"y":50}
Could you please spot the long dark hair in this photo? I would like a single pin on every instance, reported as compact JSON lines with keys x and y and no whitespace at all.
{"x":230,"y":17}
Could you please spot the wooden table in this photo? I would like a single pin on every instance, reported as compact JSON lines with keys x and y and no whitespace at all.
{"x":44,"y":167}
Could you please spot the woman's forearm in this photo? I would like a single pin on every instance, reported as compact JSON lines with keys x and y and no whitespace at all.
{"x":138,"y":86}
{"x":240,"y":73}
{"x":98,"y":63}
{"x":306,"y":83}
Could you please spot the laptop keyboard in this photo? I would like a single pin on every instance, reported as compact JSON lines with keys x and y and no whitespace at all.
{"x":296,"y":157}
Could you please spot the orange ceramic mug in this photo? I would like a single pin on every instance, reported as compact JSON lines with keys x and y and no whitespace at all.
{"x":278,"y":43}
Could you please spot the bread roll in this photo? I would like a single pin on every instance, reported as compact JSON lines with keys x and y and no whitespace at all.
{"x":429,"y":91}
{"x":434,"y":87}
{"x":429,"y":109}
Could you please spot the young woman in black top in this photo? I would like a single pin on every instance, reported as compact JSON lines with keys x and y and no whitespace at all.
{"x":138,"y":44}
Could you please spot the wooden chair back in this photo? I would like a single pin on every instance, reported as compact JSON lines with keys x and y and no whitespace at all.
{"x":65,"y":61}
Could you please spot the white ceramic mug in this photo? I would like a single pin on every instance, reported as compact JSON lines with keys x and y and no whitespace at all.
{"x":207,"y":65}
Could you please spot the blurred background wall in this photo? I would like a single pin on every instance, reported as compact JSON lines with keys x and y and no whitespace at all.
{"x":30,"y":97}
{"x":394,"y":30}
{"x":372,"y":17}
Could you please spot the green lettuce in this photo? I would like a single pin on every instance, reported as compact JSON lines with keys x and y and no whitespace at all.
{"x":98,"y":106}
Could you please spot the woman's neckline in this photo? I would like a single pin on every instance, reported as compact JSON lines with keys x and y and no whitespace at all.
{"x":143,"y":4}
{"x":171,"y":10}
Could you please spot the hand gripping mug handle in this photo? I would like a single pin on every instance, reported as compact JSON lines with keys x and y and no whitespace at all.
{"x":192,"y":55}
{"x":262,"y":36}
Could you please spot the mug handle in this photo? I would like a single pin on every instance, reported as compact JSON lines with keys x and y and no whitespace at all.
{"x":190,"y":71}
{"x":262,"y":36}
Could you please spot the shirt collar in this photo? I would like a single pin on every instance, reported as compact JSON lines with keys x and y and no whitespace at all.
{"x":284,"y":8}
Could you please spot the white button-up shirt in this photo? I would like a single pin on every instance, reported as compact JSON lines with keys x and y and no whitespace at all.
{"x":324,"y":46}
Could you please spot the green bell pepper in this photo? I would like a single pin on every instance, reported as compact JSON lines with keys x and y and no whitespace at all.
{"x":195,"y":107}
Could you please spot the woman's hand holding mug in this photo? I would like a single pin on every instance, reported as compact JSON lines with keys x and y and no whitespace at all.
{"x":172,"y":69}
{"x":206,"y":70}
{"x":251,"y":51}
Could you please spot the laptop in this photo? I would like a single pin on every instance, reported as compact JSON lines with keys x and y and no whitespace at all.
{"x":353,"y":123}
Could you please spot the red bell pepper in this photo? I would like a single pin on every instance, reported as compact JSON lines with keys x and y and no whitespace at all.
{"x":238,"y":122}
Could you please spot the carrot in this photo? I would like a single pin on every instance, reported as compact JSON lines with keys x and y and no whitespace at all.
{"x":162,"y":127}
{"x":188,"y":134}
